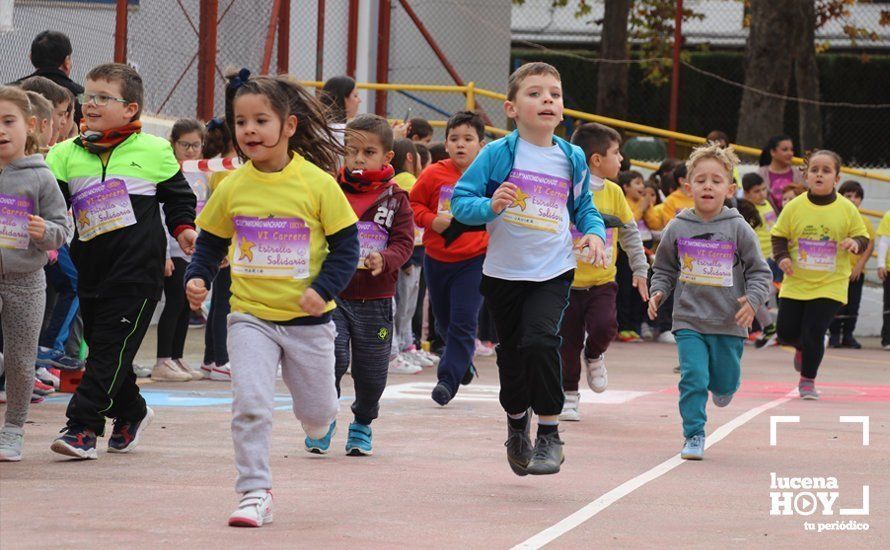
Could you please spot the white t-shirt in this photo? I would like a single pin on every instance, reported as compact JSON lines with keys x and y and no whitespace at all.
{"x":531,"y":241}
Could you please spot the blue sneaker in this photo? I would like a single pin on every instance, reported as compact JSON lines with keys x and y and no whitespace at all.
{"x":721,"y":400}
{"x":321,"y":446}
{"x":694,"y":448}
{"x":77,"y":443}
{"x":359,"y":441}
{"x":53,"y":358}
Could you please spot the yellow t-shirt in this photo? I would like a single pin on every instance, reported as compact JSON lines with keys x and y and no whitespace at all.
{"x":217,"y":178}
{"x":884,"y":231}
{"x":609,"y":200}
{"x":767,"y":221}
{"x":674,"y":203}
{"x":278,"y":223}
{"x":821,"y":267}
{"x":405,"y":180}
{"x":871,"y":236}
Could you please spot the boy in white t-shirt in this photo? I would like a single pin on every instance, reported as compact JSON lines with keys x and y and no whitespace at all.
{"x":529,"y":187}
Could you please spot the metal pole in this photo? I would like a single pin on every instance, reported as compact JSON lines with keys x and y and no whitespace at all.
{"x":284,"y":38}
{"x":675,"y":77}
{"x":352,"y":42}
{"x":120,"y":32}
{"x":383,"y":27}
{"x":270,"y":37}
{"x":319,"y":42}
{"x":207,"y":58}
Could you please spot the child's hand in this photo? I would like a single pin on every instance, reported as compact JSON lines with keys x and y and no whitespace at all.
{"x":641,"y":284}
{"x":400,"y":129}
{"x":168,"y":268}
{"x":440,"y":224}
{"x":785,"y":266}
{"x":374,"y":262}
{"x":225,"y":263}
{"x":654,"y":302}
{"x":312,"y":303}
{"x":196,"y":293}
{"x":186,"y":241}
{"x":596,"y":250}
{"x":36,"y":227}
{"x":882,"y":273}
{"x":52,"y":256}
{"x":850,"y":245}
{"x":745,"y":315}
{"x":503,"y":197}
{"x":856,"y":273}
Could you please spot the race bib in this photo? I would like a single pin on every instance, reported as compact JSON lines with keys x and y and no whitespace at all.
{"x":581,"y":255}
{"x":371,"y":238}
{"x":769,"y":219}
{"x":540,"y":201}
{"x":446,"y":192}
{"x":707,"y":263}
{"x":14,"y":211}
{"x":102,"y":208}
{"x":817,"y":255}
{"x":271,"y":248}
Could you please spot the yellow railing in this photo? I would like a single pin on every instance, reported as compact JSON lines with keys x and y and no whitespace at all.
{"x":471,"y":92}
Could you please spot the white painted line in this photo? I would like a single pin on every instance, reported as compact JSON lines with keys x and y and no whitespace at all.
{"x":478,"y":392}
{"x":552,"y":533}
{"x":861,"y":420}
{"x":774,"y":420}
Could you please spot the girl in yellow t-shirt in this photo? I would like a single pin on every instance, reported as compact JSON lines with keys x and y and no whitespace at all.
{"x":883,"y":267}
{"x":295,"y":249}
{"x":812,"y":242}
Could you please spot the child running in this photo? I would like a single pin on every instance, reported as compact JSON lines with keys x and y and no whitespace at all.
{"x":115,"y":176}
{"x":883,"y":267}
{"x":757,"y":193}
{"x":812,"y":242}
{"x":452,"y":265}
{"x":33,"y":221}
{"x":364,"y":316}
{"x":295,"y":249}
{"x":592,"y":300}
{"x":529,"y":187}
{"x":711,"y":256}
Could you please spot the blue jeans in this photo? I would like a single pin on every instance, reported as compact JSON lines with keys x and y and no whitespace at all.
{"x":455,"y":297}
{"x":707,"y":362}
{"x":62,"y":276}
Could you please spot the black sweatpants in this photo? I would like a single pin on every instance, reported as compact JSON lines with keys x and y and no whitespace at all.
{"x":173,"y":324}
{"x":844,"y":322}
{"x":113,"y":329}
{"x":216,"y":329}
{"x":364,"y":336}
{"x":527,"y":315}
{"x":885,"y":329}
{"x":802,"y":324}
{"x":629,"y":305}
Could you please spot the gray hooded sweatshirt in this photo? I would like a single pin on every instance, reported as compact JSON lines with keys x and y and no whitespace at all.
{"x":712,"y":264}
{"x":29,"y":178}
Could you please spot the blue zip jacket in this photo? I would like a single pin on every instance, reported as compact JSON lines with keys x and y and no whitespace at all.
{"x":471,"y":203}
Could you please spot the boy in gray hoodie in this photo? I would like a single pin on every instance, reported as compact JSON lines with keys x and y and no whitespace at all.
{"x":712,"y":257}
{"x":33,"y":221}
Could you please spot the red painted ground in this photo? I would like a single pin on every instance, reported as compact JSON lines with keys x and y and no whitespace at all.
{"x":439,"y":478}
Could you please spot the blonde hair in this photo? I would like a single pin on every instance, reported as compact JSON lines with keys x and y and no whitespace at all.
{"x":724,"y":155}
{"x":19,"y":98}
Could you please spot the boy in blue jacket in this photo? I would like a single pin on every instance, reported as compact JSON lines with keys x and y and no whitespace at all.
{"x":528,"y":188}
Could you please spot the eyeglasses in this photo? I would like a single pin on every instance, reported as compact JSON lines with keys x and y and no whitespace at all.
{"x":189,"y":146}
{"x":99,"y":100}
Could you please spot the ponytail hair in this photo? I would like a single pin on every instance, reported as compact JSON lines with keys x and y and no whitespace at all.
{"x":19,"y":98}
{"x":314,"y":138}
{"x":765,"y":157}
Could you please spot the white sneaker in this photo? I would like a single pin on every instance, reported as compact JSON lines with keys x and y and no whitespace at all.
{"x":431,"y":357}
{"x":666,"y":338}
{"x":254,"y":510}
{"x":646,"y":332}
{"x":887,"y":347}
{"x":401,"y":366}
{"x":166,"y":370}
{"x":47,"y":377}
{"x":414,"y":356}
{"x":196,"y":374}
{"x":571,"y":409}
{"x":141,"y":371}
{"x":207,"y":368}
{"x":482,"y":350}
{"x":11,"y":441}
{"x":221,"y":373}
{"x":597,"y":377}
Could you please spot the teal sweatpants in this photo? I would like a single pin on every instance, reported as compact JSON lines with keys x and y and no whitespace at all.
{"x":707,"y":362}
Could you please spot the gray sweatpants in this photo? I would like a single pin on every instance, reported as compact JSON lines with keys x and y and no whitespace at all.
{"x":407,"y":287}
{"x":306,"y":354}
{"x":22,"y":299}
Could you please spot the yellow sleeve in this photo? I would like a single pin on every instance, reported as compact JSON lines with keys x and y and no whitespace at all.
{"x":653,"y":217}
{"x":884,"y":226}
{"x":216,"y":217}
{"x":858,"y":227}
{"x":669,"y":209}
{"x":335,"y":212}
{"x":782,"y":227}
{"x":216,"y":178}
{"x":870,"y":227}
{"x":625,"y":214}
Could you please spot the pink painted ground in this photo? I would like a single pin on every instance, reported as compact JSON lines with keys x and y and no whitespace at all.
{"x":439,"y":478}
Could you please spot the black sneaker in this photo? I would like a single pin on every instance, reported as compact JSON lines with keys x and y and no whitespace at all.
{"x":519,"y":447}
{"x":469,"y":375}
{"x":850,"y":343}
{"x":547,"y":457}
{"x":76,"y":442}
{"x":125,"y":435}
{"x":441,"y":394}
